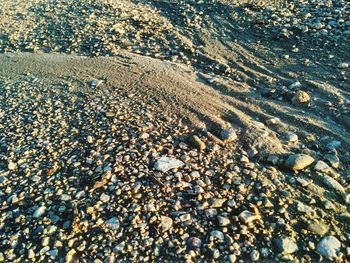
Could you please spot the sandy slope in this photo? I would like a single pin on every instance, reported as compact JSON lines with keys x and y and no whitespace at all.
{"x":206,"y":102}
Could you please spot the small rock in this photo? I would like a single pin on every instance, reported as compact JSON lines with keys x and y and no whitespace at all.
{"x":301,"y":97}
{"x":333,"y":160}
{"x":166,"y":223}
{"x":215,"y":253}
{"x":39,"y":212}
{"x":223,"y":221}
{"x":247,"y":217}
{"x":273,"y":121}
{"x":290,"y":137}
{"x":332,"y":183}
{"x":113,"y":223}
{"x":185,"y":217}
{"x":347,"y":198}
{"x":197,"y":143}
{"x":228,"y":135}
{"x":12,"y":166}
{"x":343,"y":65}
{"x":70,"y":256}
{"x":90,"y":139}
{"x":194,"y":243}
{"x":217,"y":234}
{"x":318,"y":228}
{"x":295,"y":85}
{"x":31,"y":253}
{"x":165,"y":164}
{"x":232,"y":258}
{"x":329,"y":247}
{"x":298,"y":161}
{"x":95,"y":83}
{"x":255,"y":255}
{"x":286,"y":245}
{"x":217,"y":202}
{"x":104,"y":198}
{"x":322,"y":167}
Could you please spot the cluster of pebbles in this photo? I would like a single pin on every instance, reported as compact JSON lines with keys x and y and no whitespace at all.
{"x":317,"y":18}
{"x":90,"y":173}
{"x":94,"y":28}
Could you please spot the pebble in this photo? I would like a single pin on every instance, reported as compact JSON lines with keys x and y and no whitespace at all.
{"x":247,"y":217}
{"x":39,"y":211}
{"x":194,"y":243}
{"x":185,"y":217}
{"x":217,"y":202}
{"x":12,"y":166}
{"x":343,"y":65}
{"x":295,"y":85}
{"x":113,"y":223}
{"x":218,"y":235}
{"x":286,"y":245}
{"x":95,"y":83}
{"x":318,"y":228}
{"x":290,"y":137}
{"x":333,"y":184}
{"x":255,"y":255}
{"x":166,"y":223}
{"x":298,"y":162}
{"x":322,"y":167}
{"x":228,"y":135}
{"x":329,"y":247}
{"x":104,"y":198}
{"x":301,"y":97}
{"x":165,"y":164}
{"x":197,"y":143}
{"x":333,"y":160}
{"x":223,"y":221}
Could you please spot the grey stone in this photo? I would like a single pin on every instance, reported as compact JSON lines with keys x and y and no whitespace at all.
{"x":299,"y":161}
{"x":286,"y":245}
{"x":165,"y":164}
{"x":329,"y":247}
{"x":318,"y":228}
{"x":166,"y":223}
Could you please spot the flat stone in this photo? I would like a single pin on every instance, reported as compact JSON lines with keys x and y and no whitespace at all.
{"x":223,"y":221}
{"x":322,"y":167}
{"x":286,"y":245}
{"x":298,"y":162}
{"x":318,"y":228}
{"x":333,"y":184}
{"x":165,"y":164}
{"x":217,"y":202}
{"x":185,"y":217}
{"x":329,"y":247}
{"x":343,"y":65}
{"x":166,"y":223}
{"x":228,"y":135}
{"x":39,"y":212}
{"x":247,"y":217}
